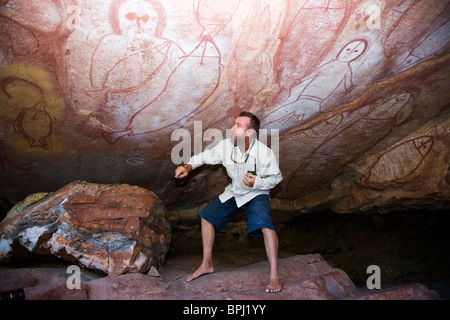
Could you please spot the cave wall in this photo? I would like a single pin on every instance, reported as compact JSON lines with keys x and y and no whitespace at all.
{"x":358,"y":91}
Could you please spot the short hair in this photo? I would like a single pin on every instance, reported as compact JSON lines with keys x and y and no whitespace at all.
{"x":254,"y":121}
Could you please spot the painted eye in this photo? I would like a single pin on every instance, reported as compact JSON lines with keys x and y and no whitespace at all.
{"x":131,"y":16}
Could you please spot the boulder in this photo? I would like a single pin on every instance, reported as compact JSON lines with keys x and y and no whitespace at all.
{"x":114,"y":228}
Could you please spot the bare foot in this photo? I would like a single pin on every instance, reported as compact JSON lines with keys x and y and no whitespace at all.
{"x":200,"y":272}
{"x":274,"y":286}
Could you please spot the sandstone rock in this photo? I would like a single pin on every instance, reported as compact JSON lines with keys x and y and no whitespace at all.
{"x":13,"y":279}
{"x":305,"y":277}
{"x":21,"y":206}
{"x":410,"y":174}
{"x":413,"y":291}
{"x":112,"y":228}
{"x":153,"y":272}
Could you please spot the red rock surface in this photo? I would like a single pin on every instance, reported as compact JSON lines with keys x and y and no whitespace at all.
{"x":357,"y":89}
{"x":305,"y":277}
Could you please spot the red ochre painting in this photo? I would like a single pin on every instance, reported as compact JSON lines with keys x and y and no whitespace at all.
{"x":86,"y":88}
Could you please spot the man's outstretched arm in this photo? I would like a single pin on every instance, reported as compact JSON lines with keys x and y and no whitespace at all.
{"x":182,"y":171}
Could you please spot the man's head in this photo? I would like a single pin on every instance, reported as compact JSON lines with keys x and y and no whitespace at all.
{"x":246,"y":128}
{"x":246,"y":125}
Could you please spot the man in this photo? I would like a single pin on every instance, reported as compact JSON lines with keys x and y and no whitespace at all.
{"x":241,"y":154}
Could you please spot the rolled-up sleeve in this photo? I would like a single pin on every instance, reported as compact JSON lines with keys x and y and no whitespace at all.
{"x":267,"y":182}
{"x":210,"y":156}
{"x":269,"y":174}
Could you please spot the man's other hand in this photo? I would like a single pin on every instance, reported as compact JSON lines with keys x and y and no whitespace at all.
{"x":249,"y":179}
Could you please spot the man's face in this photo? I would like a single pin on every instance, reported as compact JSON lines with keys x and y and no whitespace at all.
{"x":240,"y":127}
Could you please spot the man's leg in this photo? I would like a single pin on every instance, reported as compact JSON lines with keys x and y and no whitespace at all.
{"x":271,"y":243}
{"x":214,"y":217}
{"x":208,"y":235}
{"x":259,"y":221}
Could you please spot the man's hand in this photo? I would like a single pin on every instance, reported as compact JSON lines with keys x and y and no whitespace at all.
{"x":182,"y":171}
{"x":249,"y":179}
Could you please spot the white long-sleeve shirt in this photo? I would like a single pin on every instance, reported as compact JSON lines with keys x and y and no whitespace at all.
{"x":267,"y":170}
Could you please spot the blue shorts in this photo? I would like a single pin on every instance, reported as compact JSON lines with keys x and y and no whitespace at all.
{"x":257,"y":210}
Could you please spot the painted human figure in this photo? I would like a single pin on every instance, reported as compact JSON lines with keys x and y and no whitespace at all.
{"x":202,"y":64}
{"x":138,"y":62}
{"x":143,"y":87}
{"x":309,"y":96}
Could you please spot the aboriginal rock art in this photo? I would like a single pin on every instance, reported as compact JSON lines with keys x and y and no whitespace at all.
{"x":370,"y":124}
{"x":136,"y":160}
{"x":250,"y":67}
{"x":13,"y":88}
{"x":35,"y":125}
{"x":204,"y":65}
{"x":98,"y":87}
{"x":29,"y":104}
{"x":143,"y":90}
{"x":406,"y":30}
{"x":309,"y":97}
{"x":312,"y":138}
{"x":307,"y":39}
{"x":135,"y":72}
{"x":387,"y":109}
{"x":216,"y":18}
{"x":401,"y":161}
{"x":435,"y":42}
{"x":214,"y":15}
{"x":15,"y":40}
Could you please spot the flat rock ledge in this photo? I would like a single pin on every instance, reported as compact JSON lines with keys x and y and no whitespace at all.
{"x":304,"y":277}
